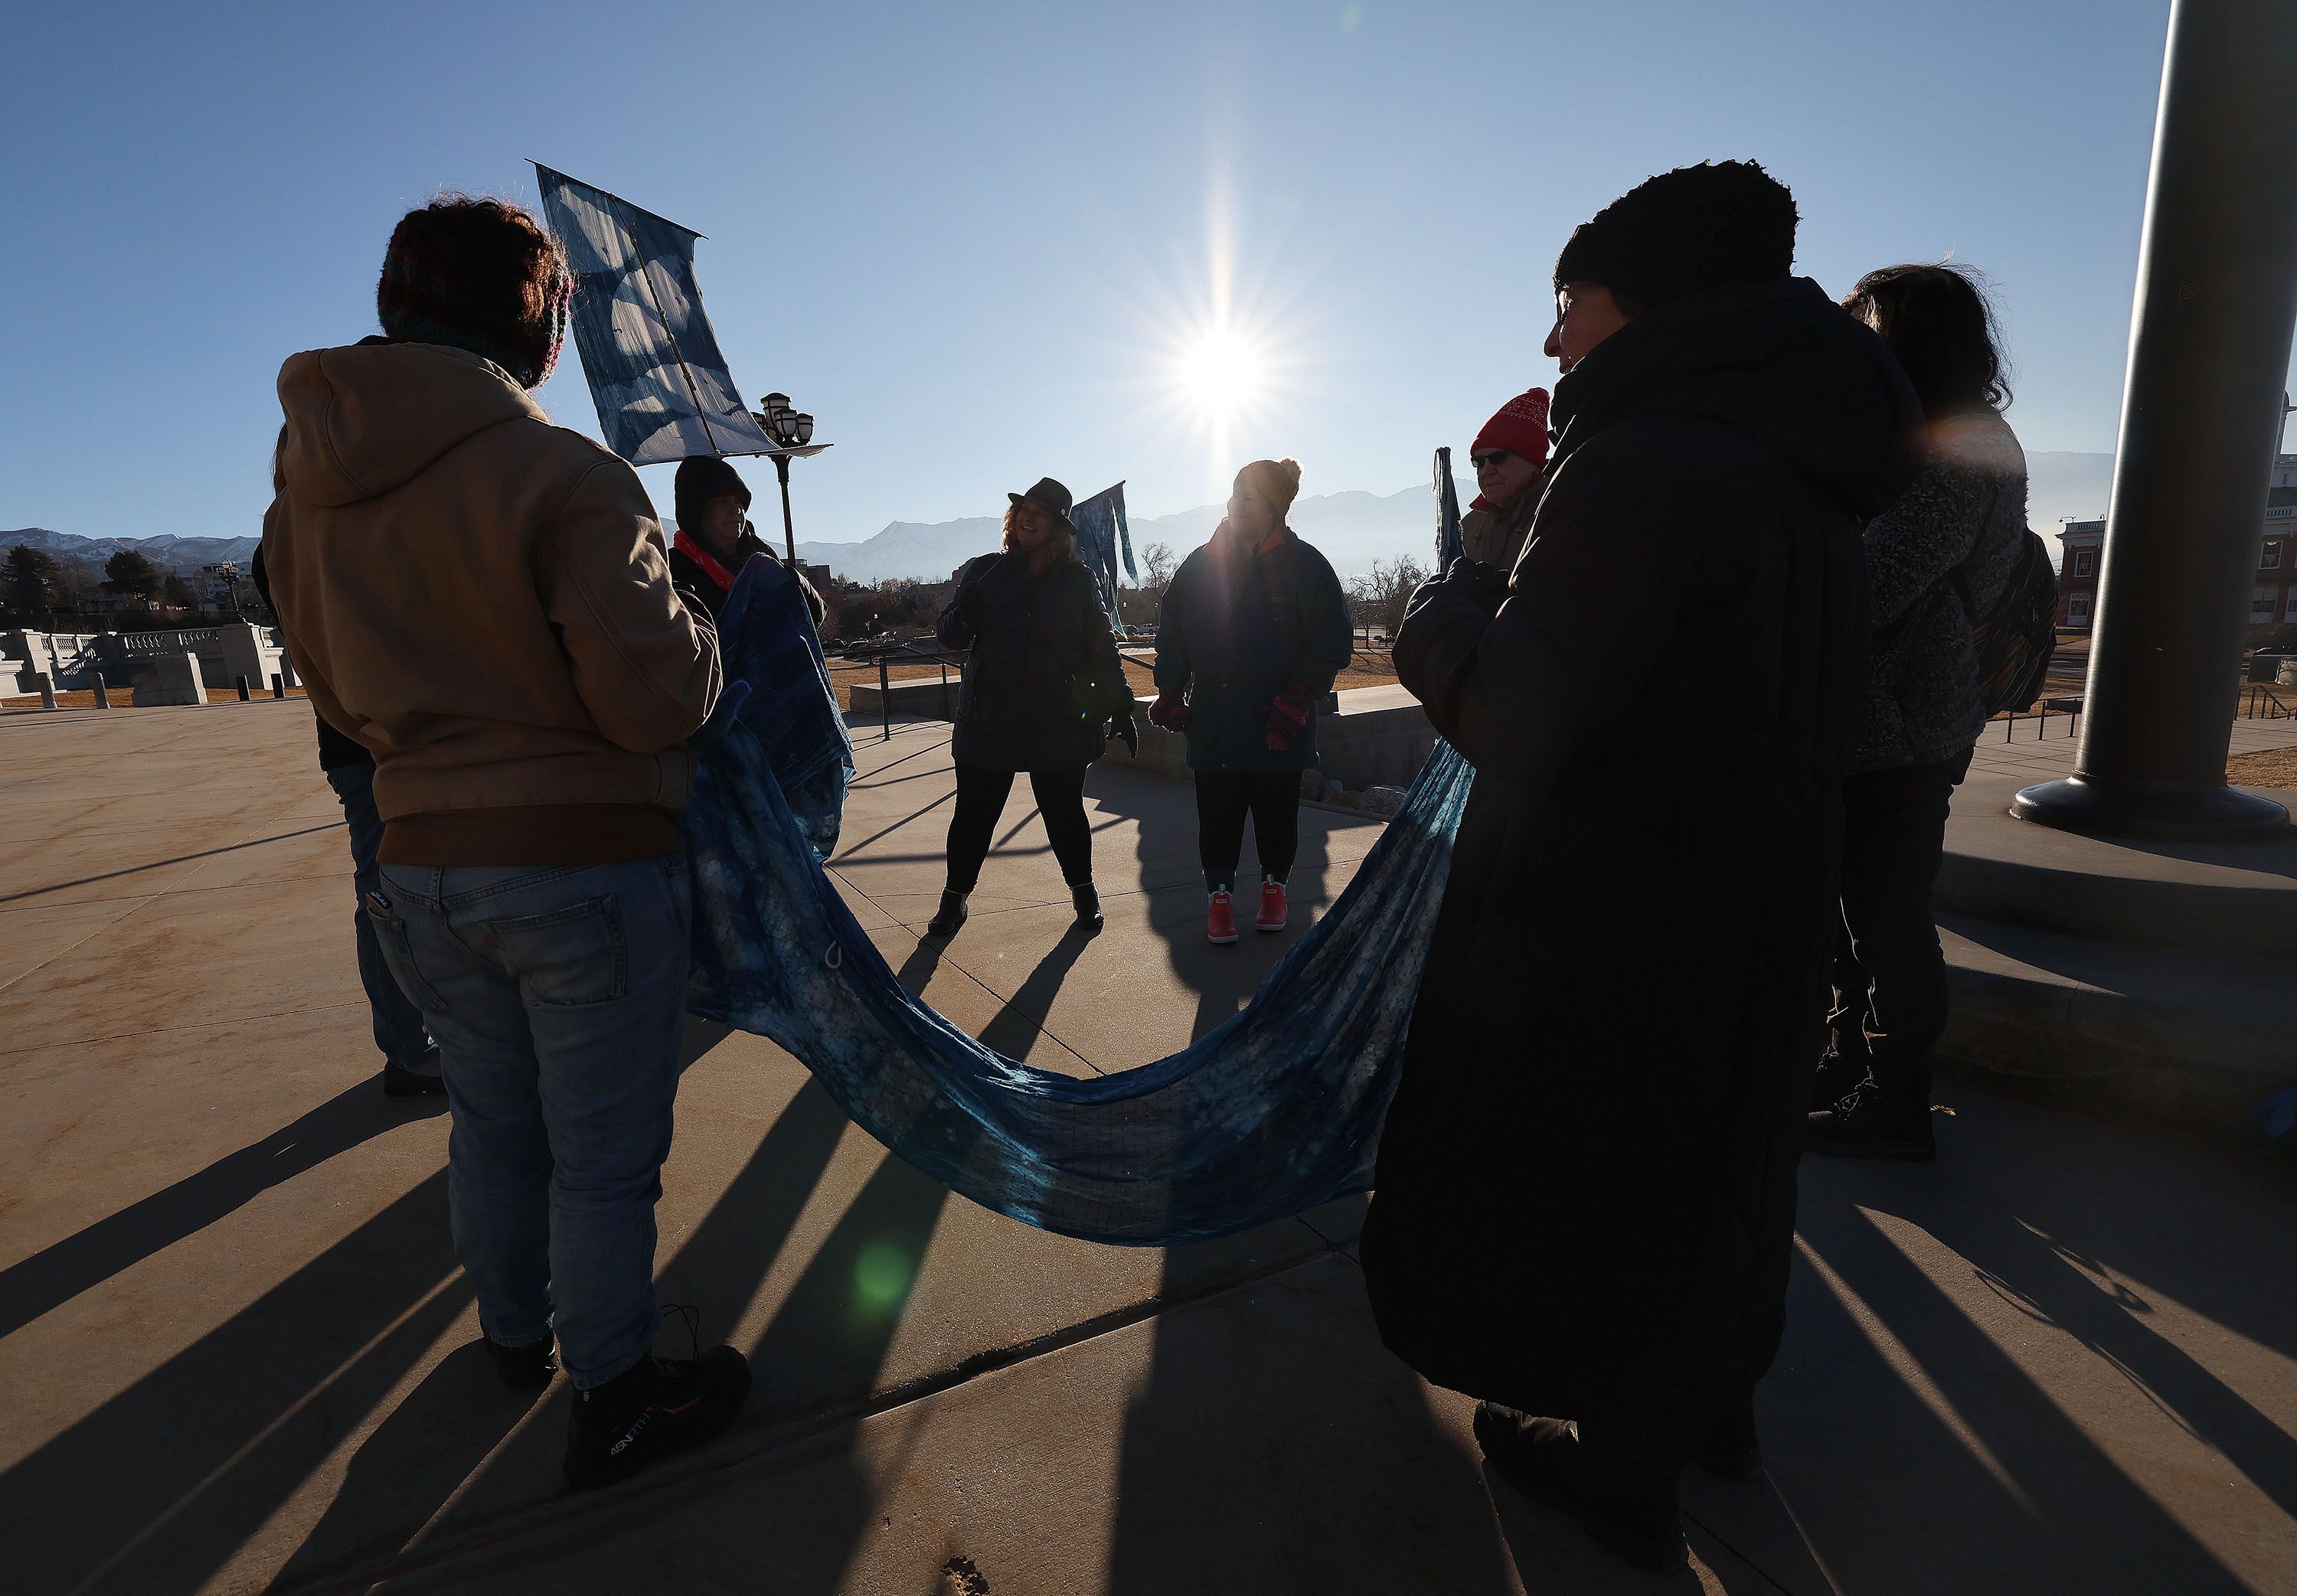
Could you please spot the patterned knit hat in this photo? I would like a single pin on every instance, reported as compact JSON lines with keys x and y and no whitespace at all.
{"x":481,"y":276}
{"x":1520,"y":428}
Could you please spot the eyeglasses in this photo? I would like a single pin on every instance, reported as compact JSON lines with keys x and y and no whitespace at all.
{"x":1497,"y":458}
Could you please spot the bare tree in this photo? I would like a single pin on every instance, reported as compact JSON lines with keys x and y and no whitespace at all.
{"x":1139,"y":604}
{"x":1376,"y":599}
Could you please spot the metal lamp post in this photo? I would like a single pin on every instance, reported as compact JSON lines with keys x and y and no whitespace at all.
{"x":2200,"y":417}
{"x":792,"y":431}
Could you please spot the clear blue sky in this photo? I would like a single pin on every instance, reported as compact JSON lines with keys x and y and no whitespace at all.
{"x":979,"y":242}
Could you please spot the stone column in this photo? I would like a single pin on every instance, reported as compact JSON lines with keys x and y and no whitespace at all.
{"x":2200,"y":417}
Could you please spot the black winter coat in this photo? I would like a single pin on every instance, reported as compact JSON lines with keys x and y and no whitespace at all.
{"x":1236,"y":629}
{"x":1043,"y":678}
{"x":1585,"y":1190}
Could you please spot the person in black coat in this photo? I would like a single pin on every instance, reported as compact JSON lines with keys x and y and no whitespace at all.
{"x":715,"y":538}
{"x":1253,"y":631}
{"x":1585,"y":1194}
{"x":1043,"y":690}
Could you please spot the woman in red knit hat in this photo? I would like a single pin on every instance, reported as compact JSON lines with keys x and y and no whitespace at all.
{"x":1510,"y":455}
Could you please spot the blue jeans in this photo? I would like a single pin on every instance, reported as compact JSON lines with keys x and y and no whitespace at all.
{"x":555,"y":993}
{"x":399,"y":1030}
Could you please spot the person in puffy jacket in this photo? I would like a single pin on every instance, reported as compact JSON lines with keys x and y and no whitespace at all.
{"x":1585,"y":1202}
{"x":482,"y":600}
{"x":1252,"y":633}
{"x":1043,"y":690}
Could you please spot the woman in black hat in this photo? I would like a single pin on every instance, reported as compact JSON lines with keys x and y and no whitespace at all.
{"x":1042,"y":683}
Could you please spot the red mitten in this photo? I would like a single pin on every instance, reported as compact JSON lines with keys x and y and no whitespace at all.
{"x":1287,"y":717}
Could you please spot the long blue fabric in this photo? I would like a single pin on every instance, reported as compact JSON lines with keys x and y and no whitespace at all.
{"x":1276,"y":1111}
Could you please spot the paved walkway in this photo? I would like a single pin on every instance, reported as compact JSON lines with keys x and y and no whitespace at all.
{"x":236,"y":1354}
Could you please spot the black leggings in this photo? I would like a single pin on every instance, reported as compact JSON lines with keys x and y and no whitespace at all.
{"x":1223,"y":798}
{"x":981,"y":796}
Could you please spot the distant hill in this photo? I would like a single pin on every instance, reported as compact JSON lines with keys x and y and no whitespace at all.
{"x":1353,"y":530}
{"x":168,"y":551}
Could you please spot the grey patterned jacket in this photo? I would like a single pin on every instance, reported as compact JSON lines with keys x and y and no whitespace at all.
{"x":1937,"y":558}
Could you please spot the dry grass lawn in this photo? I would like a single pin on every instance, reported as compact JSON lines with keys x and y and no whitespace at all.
{"x":2267,"y":768}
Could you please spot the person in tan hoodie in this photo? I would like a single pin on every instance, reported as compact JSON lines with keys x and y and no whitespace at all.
{"x":483,"y":600}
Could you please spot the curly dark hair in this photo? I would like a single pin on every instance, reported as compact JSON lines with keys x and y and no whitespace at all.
{"x":481,"y":274}
{"x":1939,"y":323}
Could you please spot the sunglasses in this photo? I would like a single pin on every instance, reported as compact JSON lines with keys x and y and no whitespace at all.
{"x":1498,"y":456}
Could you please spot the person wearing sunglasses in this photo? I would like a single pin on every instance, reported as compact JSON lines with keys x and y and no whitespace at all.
{"x":1510,"y":455}
{"x":715,"y":538}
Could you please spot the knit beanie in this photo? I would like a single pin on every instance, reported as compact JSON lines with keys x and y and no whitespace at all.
{"x":1276,"y":481}
{"x":702,"y":478}
{"x":1675,"y":234}
{"x":1520,"y":428}
{"x":481,"y":276}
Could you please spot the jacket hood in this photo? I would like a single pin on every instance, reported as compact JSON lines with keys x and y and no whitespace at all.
{"x":1779,"y":362}
{"x":368,"y":418}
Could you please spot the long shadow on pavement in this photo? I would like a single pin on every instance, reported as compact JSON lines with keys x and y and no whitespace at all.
{"x":158,"y":1488}
{"x":119,"y":1241}
{"x":1943,"y":1465}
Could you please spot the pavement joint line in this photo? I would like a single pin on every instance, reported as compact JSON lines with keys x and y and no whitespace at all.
{"x":796,"y":1431}
{"x":133,"y":905}
{"x":236,"y":1019}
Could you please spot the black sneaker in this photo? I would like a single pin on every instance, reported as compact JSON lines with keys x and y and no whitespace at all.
{"x":1637,"y":1519}
{"x":951,"y":916}
{"x":661,"y":1406}
{"x":1866,"y":1122}
{"x":1088,"y":907}
{"x":525,"y":1368}
{"x":399,"y":1082}
{"x":1838,"y":1074}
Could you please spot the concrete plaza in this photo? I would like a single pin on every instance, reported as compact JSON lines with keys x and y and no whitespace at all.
{"x":236,"y":1354}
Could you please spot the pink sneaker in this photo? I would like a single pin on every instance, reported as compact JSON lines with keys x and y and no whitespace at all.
{"x":1219,"y":918}
{"x":1272,"y":908}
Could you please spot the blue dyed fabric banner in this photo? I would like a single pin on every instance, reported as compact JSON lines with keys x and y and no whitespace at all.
{"x":1103,"y":540}
{"x":1448,"y":545}
{"x":1276,"y":1111}
{"x":655,"y":373}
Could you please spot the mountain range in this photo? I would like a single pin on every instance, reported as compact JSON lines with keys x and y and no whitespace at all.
{"x":183,"y":556}
{"x":1353,"y":530}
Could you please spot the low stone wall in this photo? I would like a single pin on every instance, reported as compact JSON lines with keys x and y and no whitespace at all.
{"x":1371,"y":737}
{"x":76,"y":660}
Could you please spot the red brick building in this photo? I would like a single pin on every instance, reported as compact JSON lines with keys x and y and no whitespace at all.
{"x":2273,"y":598}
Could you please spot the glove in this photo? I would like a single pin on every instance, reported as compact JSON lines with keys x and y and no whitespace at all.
{"x":721,"y":718}
{"x":1486,"y":585}
{"x":1287,"y":717}
{"x":968,"y":592}
{"x":1122,"y":729}
{"x":1169,"y":713}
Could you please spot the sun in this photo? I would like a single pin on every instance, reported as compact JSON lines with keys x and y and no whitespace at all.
{"x":1220,"y":374}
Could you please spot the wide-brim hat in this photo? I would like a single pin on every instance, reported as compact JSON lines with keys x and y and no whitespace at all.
{"x":1049,"y":495}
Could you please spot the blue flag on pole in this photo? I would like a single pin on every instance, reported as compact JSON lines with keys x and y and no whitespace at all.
{"x":1103,"y":538}
{"x":661,"y":384}
{"x":1448,"y":545}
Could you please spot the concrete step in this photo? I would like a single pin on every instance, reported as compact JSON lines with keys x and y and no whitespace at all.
{"x":2196,"y":1037}
{"x":2228,"y":897}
